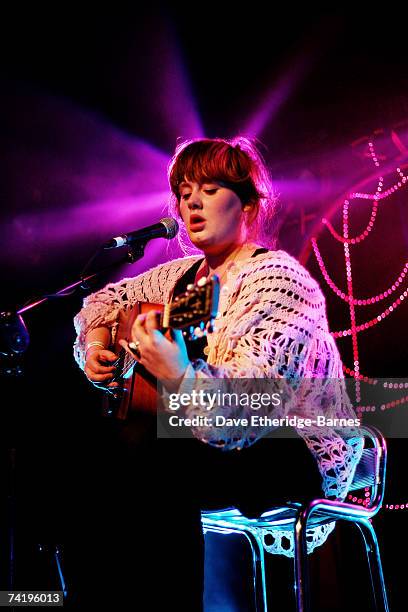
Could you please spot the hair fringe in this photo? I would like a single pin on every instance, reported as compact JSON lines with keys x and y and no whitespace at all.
{"x":263,"y":228}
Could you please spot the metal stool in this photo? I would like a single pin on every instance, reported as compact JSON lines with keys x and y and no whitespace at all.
{"x":370,"y":472}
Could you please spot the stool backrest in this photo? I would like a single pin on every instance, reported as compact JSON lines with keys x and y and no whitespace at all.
{"x":371,"y":469}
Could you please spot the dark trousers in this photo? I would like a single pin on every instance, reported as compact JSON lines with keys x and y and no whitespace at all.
{"x":137,"y":533}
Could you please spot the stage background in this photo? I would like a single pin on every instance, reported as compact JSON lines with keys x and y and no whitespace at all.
{"x":93,"y":102}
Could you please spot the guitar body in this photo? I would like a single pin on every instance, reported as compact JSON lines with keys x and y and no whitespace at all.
{"x":139,"y":388}
{"x":193,"y":312}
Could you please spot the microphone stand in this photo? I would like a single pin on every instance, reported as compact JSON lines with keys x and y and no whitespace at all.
{"x":14,"y":341}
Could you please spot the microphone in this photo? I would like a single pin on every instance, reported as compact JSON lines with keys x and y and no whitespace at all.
{"x":166,"y":228}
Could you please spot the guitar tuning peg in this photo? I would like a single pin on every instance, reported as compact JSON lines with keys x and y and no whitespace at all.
{"x":198,"y":332}
{"x":202,"y":281}
{"x":190,"y":287}
{"x":209,"y":328}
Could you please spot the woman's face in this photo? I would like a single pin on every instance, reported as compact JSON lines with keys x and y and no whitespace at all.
{"x":213,"y":216}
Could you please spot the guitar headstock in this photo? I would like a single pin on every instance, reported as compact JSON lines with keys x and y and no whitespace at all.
{"x":195,"y":310}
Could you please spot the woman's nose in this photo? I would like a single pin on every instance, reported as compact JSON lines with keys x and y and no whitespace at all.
{"x":195,"y":200}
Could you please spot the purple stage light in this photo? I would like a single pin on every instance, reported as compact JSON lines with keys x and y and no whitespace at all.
{"x":80,"y":180}
{"x":171,"y":99}
{"x":277,"y":95}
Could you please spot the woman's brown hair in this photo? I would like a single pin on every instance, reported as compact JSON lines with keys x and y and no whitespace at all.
{"x":236,"y":164}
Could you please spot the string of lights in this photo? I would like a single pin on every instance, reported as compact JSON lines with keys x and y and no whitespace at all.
{"x":354,"y":302}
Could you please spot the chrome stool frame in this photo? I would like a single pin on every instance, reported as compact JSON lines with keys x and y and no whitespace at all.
{"x":370,"y":472}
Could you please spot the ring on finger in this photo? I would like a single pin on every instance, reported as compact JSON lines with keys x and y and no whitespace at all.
{"x":134,"y":347}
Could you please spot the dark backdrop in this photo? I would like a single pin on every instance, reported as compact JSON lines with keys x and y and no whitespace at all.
{"x":93,"y":101}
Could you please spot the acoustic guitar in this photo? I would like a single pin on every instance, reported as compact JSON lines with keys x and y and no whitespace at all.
{"x":193,"y":312}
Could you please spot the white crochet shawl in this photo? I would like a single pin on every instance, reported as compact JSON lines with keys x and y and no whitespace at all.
{"x":272,"y":324}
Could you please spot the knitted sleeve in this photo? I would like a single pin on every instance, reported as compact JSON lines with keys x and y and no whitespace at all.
{"x":275,"y":327}
{"x":102,"y":307}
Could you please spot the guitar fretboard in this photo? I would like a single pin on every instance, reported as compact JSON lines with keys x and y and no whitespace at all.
{"x":124,"y":365}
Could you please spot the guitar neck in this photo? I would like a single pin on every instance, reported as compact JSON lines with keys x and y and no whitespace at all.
{"x":193,"y":312}
{"x":125,"y":362}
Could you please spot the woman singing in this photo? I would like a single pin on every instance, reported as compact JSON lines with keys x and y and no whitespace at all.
{"x":272,"y":324}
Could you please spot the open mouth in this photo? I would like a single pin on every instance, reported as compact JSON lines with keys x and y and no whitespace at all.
{"x":196,"y":223}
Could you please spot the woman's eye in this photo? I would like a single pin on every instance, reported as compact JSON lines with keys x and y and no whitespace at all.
{"x":211,"y":191}
{"x":185,"y":196}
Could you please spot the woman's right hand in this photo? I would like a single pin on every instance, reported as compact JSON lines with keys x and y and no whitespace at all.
{"x":96,"y":368}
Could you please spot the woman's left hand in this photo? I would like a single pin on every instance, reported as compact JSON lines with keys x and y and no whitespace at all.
{"x":166,"y":359}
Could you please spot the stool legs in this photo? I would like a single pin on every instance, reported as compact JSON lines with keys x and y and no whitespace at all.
{"x":375,"y":565}
{"x":258,"y":562}
{"x":302,"y":590}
